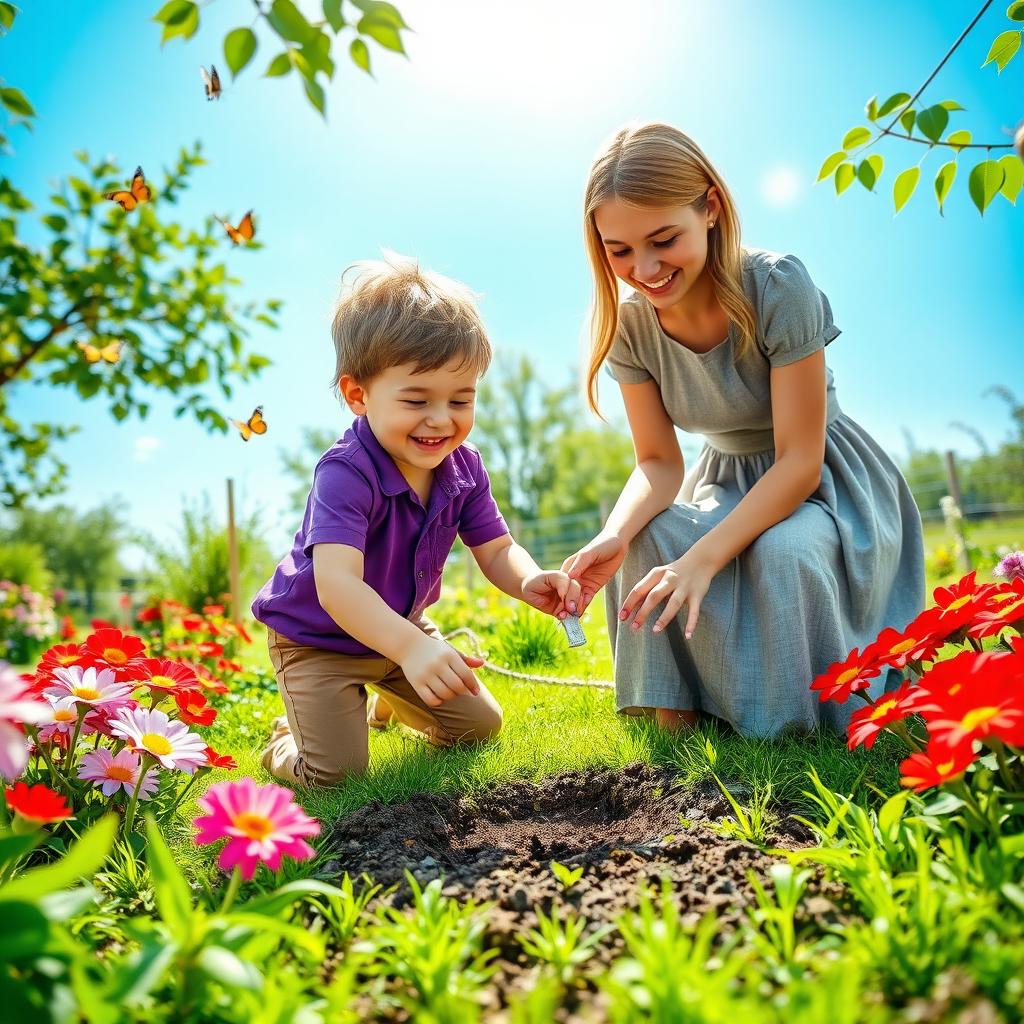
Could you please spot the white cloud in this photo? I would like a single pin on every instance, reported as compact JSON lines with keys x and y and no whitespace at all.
{"x":781,"y":186}
{"x":144,"y":447}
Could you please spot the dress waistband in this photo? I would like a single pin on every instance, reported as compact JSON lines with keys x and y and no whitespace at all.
{"x":755,"y":442}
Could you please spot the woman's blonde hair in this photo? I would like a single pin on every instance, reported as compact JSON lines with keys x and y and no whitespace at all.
{"x":655,"y":165}
{"x":391,"y":312}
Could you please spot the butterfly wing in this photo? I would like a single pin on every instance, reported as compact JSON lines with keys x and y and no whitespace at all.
{"x":247,"y":229}
{"x":140,"y":189}
{"x":111,"y":353}
{"x":257,"y":424}
{"x":91,"y":352}
{"x":214,"y":83}
{"x":124,"y":199}
{"x":243,"y":429}
{"x":207,"y":82}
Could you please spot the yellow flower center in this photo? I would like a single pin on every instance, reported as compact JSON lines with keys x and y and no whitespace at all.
{"x":86,"y":692}
{"x":156,"y":744}
{"x":255,"y":826}
{"x":163,"y":681}
{"x":67,"y":659}
{"x":945,"y":769}
{"x":120,"y":773}
{"x":903,"y":647}
{"x":958,"y":603}
{"x":883,"y":708}
{"x":64,"y":715}
{"x":850,"y":673}
{"x":114,"y":655}
{"x":978,"y":717}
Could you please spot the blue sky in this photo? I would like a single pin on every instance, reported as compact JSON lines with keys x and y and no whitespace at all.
{"x":472,"y":155}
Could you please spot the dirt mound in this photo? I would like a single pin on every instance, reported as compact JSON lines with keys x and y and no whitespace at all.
{"x":623,"y":828}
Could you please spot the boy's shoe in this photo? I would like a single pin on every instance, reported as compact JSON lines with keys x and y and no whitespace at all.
{"x":372,"y":720}
{"x":280,"y":728}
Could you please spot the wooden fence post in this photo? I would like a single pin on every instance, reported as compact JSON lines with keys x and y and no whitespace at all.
{"x":236,"y":614}
{"x":953,"y":482}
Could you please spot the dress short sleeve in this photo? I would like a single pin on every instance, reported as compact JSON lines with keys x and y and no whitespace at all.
{"x":340,"y":505}
{"x":796,"y":318}
{"x":622,"y":363}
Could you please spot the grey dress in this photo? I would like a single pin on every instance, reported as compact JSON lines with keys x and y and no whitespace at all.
{"x":847,"y":563}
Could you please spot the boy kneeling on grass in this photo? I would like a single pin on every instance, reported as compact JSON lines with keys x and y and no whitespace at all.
{"x":346,"y":607}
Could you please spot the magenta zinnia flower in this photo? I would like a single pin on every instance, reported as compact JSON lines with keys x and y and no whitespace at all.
{"x":261,"y":823}
{"x":111,"y":771}
{"x":17,"y":706}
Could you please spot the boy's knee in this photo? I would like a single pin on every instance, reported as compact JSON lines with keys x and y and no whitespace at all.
{"x":331,"y":773}
{"x":487,"y":726}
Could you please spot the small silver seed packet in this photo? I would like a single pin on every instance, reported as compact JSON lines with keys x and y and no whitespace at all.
{"x":573,"y":630}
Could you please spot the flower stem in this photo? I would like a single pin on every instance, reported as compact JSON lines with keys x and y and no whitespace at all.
{"x":69,"y":761}
{"x":232,"y":890}
{"x":188,"y":785}
{"x":129,"y":816}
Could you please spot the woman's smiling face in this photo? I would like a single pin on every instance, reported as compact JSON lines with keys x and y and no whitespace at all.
{"x":659,"y":251}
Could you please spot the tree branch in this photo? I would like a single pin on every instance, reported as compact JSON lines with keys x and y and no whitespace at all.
{"x":8,"y":373}
{"x":952,"y":145}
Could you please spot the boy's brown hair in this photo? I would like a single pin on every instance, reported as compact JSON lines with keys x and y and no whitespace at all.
{"x":392,"y":312}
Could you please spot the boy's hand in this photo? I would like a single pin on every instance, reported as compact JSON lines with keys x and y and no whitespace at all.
{"x":553,"y":593}
{"x":438,"y":672}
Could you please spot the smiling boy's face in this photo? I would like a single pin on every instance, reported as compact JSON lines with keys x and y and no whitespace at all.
{"x":407,"y":411}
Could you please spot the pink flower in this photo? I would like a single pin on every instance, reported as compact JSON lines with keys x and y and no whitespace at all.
{"x":90,"y":686}
{"x":1012,"y":566}
{"x":261,"y":824}
{"x":17,"y":705}
{"x":150,"y":731}
{"x":110,"y":771}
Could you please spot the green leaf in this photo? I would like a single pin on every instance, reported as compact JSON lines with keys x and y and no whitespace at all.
{"x":7,"y":13}
{"x":869,"y":171}
{"x":959,"y":139}
{"x":1015,"y":12}
{"x":892,"y":810}
{"x":239,"y":47}
{"x":229,"y":969}
{"x":845,"y":174}
{"x":985,"y":181}
{"x":25,"y":932}
{"x":180,"y":18}
{"x":856,"y":137}
{"x":271,"y":904}
{"x":280,"y":65}
{"x":83,"y":860}
{"x":382,"y":11}
{"x":12,"y":847}
{"x":904,"y":187}
{"x":1006,"y":44}
{"x":893,"y":103}
{"x":173,"y":898}
{"x":315,"y":93}
{"x":288,"y":22}
{"x":932,"y":121}
{"x":944,"y":182}
{"x":383,"y":32}
{"x":360,"y":54}
{"x":907,"y":119}
{"x":829,"y":166}
{"x":332,"y":12}
{"x":1013,"y":181}
{"x":140,"y":971}
{"x":951,"y":105}
{"x":14,"y":100}
{"x":871,"y":109}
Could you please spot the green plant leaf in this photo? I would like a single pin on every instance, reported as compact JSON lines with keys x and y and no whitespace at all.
{"x":959,"y":139}
{"x":7,"y":14}
{"x":360,"y":54}
{"x":829,"y":166}
{"x":907,"y":119}
{"x":951,"y":105}
{"x":83,"y":860}
{"x":869,"y":170}
{"x":229,"y":969}
{"x":239,"y":47}
{"x":894,"y":103}
{"x":856,"y":137}
{"x":315,"y":93}
{"x":332,"y":12}
{"x":382,"y":11}
{"x":140,"y":971}
{"x":845,"y":174}
{"x":179,"y":18}
{"x":932,"y":121}
{"x":1013,"y":180}
{"x":904,"y":186}
{"x":944,"y":182}
{"x":1005,"y":45}
{"x":25,"y":932}
{"x":985,"y":181}
{"x":871,"y":109}
{"x":280,"y":65}
{"x":173,"y":898}
{"x":14,"y":846}
{"x":1015,"y":12}
{"x":382,"y":31}
{"x":14,"y":100}
{"x":289,"y":23}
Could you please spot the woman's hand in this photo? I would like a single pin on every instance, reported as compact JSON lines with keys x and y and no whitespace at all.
{"x":594,"y":565}
{"x":684,"y":581}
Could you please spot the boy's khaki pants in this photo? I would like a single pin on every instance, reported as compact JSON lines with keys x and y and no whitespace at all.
{"x":324,"y":696}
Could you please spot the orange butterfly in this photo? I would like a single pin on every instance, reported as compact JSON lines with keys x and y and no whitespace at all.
{"x":244,"y":232}
{"x":140,"y":192}
{"x":109,"y":353}
{"x":255,"y":424}
{"x":211,"y":80}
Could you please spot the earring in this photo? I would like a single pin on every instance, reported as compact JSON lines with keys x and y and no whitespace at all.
{"x":712,"y":224}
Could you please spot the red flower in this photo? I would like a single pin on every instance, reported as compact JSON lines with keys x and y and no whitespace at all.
{"x":949,"y":680}
{"x":959,"y":603}
{"x":846,"y":677}
{"x":215,"y":760}
{"x":209,"y":649}
{"x":37,"y":804}
{"x":917,"y":642}
{"x":151,"y":614}
{"x":938,"y":764}
{"x":867,"y":723}
{"x":994,"y":707}
{"x":213,"y":609}
{"x":193,"y":709}
{"x":67,"y":628}
{"x":110,"y":648}
{"x":227,"y":665}
{"x":208,"y":681}
{"x":59,"y":656}
{"x":193,"y":623}
{"x":1006,"y":608}
{"x":102,"y":624}
{"x":165,"y":675}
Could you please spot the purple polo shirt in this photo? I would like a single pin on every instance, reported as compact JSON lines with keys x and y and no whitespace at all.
{"x":359,"y":497}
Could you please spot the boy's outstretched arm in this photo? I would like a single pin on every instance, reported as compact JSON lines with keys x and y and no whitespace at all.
{"x":435,"y":670}
{"x":511,"y":569}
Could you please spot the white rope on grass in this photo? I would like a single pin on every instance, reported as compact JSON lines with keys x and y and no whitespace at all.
{"x":501,"y":670}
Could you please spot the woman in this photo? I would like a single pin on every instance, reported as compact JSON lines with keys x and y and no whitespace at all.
{"x":794,"y":537}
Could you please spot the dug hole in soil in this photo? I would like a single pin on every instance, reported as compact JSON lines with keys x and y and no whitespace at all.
{"x":623,"y":827}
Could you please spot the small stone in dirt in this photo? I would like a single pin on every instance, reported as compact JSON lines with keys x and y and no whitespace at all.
{"x":427,"y":863}
{"x":520,"y":901}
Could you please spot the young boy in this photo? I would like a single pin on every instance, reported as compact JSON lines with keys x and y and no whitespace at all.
{"x":346,"y":607}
